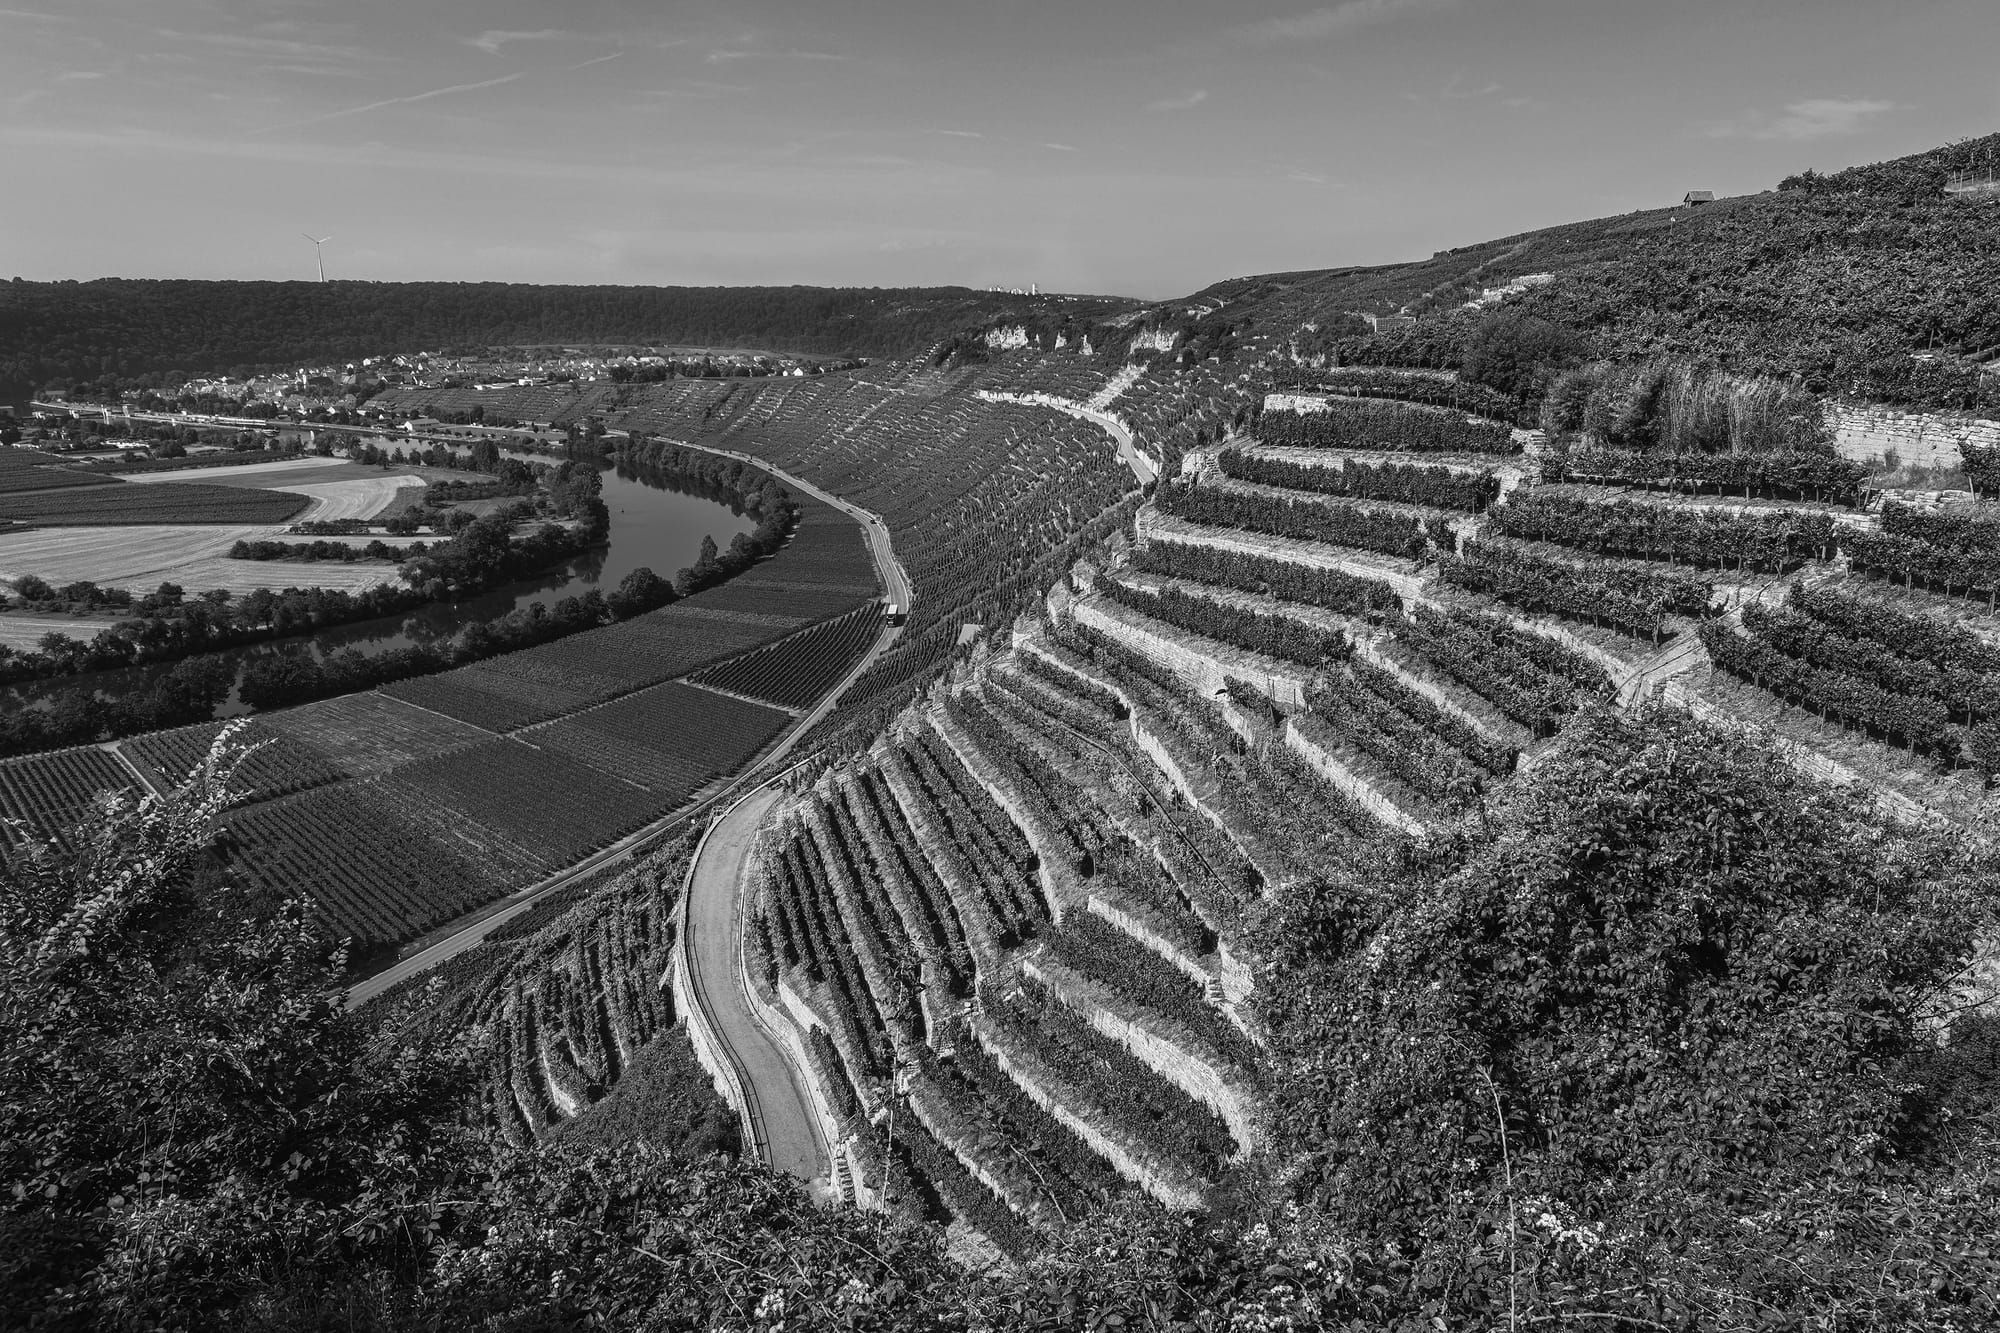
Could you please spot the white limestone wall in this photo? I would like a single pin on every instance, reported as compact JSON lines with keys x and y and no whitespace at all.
{"x":1869,"y":433}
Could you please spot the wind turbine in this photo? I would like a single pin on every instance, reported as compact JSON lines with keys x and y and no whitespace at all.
{"x":318,"y":253}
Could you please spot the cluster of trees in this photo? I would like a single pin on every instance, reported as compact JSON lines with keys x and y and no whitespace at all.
{"x":1982,"y":469}
{"x":1585,"y":1071}
{"x":35,"y":593}
{"x":1671,"y":407}
{"x":1863,"y":284}
{"x":339,"y":552}
{"x":168,"y":624}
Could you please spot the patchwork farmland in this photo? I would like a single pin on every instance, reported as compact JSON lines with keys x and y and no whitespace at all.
{"x":405,"y":807}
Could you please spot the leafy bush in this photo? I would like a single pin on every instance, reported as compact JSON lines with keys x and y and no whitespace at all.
{"x":1648,"y":1054}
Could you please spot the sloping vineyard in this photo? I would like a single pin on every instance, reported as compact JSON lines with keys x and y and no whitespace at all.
{"x":1004,"y":927}
{"x":49,"y":793}
{"x":1340,"y":423}
{"x":577,"y":1035}
{"x":986,"y":502}
{"x":794,"y":672}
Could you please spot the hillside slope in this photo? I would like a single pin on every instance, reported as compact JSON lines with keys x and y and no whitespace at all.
{"x":1843,"y":280}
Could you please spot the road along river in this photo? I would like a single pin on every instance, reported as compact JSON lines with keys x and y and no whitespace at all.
{"x":770,"y":1092}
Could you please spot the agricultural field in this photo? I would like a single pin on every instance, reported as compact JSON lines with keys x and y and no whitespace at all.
{"x":377,"y":872}
{"x":23,"y":633}
{"x":32,"y":470}
{"x":671,"y":738}
{"x":48,"y":793}
{"x":337,"y":490}
{"x":923,"y":855}
{"x":276,"y":765}
{"x":372,"y":732}
{"x":537,"y":684}
{"x":192,"y":503}
{"x":424,"y":767}
{"x":794,"y":672}
{"x":143,"y":556}
{"x":555,"y":808}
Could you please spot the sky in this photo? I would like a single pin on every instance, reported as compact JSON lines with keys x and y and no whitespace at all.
{"x":1135,"y":147}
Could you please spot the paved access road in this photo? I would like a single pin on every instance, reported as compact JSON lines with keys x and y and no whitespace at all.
{"x":713,"y":949}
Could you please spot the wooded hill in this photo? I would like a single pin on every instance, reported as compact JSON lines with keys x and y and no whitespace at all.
{"x":57,"y":332}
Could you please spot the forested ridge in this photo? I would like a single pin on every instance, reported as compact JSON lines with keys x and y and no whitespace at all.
{"x":58,"y":332}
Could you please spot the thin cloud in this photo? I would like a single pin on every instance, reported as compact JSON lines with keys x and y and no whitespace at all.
{"x":723,"y":57}
{"x":273,"y":48}
{"x":1814,"y":118}
{"x":960,"y":134}
{"x":426,"y":96}
{"x":34,"y":16}
{"x":698,"y":88}
{"x":493,"y":39}
{"x":595,"y":60}
{"x":1063,"y":147}
{"x":1332,"y":20}
{"x":1185,"y":103}
{"x":1457,"y":90}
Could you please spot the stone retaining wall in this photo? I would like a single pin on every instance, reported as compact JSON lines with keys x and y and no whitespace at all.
{"x":1868,"y":434}
{"x":1205,"y":670}
{"x":1351,"y":784}
{"x":1203,"y":1076}
{"x":1171,"y":1186}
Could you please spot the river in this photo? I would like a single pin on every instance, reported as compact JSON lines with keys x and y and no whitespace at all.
{"x":653,"y":525}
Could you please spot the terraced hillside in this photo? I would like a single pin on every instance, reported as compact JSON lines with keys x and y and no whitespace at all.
{"x":576,"y":1037}
{"x":1336,"y":638}
{"x":985,"y":502}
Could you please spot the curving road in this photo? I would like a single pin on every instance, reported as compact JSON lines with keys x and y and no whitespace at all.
{"x":780,"y":1122}
{"x":778,"y":1119}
